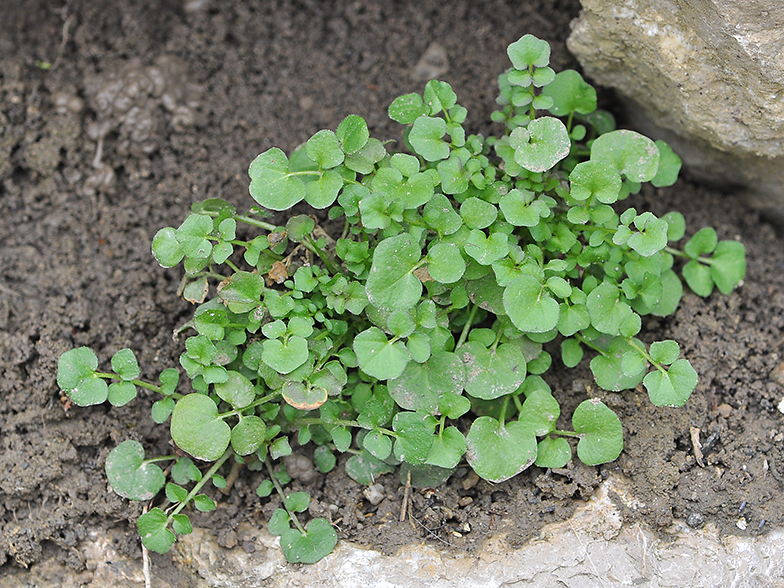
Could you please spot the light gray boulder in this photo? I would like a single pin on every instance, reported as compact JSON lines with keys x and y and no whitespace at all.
{"x":705,"y":75}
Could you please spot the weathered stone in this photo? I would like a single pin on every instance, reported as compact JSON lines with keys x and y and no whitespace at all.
{"x":705,"y":75}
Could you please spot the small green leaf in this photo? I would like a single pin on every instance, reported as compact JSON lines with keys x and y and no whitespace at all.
{"x":421,"y":385}
{"x":318,"y":541}
{"x":248,"y":435}
{"x":237,"y":390}
{"x":632,"y":154}
{"x":271,"y":185}
{"x":391,"y":283}
{"x":300,"y":226}
{"x":448,"y":449}
{"x":407,"y":108}
{"x":445,"y":264}
{"x":540,"y":145}
{"x":601,"y":432}
{"x":676,"y":226}
{"x":324,"y":459}
{"x":530,"y":306}
{"x":324,"y":149}
{"x":154,"y":532}
{"x":298,"y":501}
{"x":341,"y":436}
{"x":553,"y":452}
{"x":698,"y":277}
{"x":352,"y":133}
{"x":439,"y":96}
{"x":76,"y":376}
{"x":728,"y":265}
{"x":595,"y":178}
{"x":364,"y":160}
{"x":378,"y":444}
{"x":427,"y":138}
{"x":440,"y":216}
{"x":478,"y":214}
{"x":665,"y":352}
{"x":669,"y":166}
{"x":166,"y":248}
{"x":652,"y":237}
{"x":242,"y":291}
{"x":520,"y":209}
{"x":487,"y":250}
{"x":606,"y":309}
{"x":497,"y":452}
{"x":494,"y":373}
{"x":285,"y":356}
{"x":162,"y":409}
{"x":540,"y":412}
{"x":570,"y":93}
{"x":121,"y":393}
{"x":571,"y":352}
{"x":303,"y":397}
{"x":414,"y":436}
{"x":378,"y":357}
{"x":323,"y":191}
{"x":175,"y":493}
{"x":703,"y":242}
{"x":528,"y":52}
{"x":364,"y":468}
{"x":182,"y":524}
{"x":279,"y":522}
{"x":204,"y":503}
{"x":607,"y":367}
{"x":129,"y":475}
{"x":197,"y":428}
{"x":672,"y":387}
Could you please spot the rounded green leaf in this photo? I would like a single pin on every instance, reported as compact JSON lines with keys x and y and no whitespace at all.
{"x":540,"y":145}
{"x":166,"y":248}
{"x":606,"y":309}
{"x":378,"y":357}
{"x":728,"y":265}
{"x":324,"y":149}
{"x":601,"y":432}
{"x":323,"y":191}
{"x":302,"y":396}
{"x":486,"y":250}
{"x":153,"y":530}
{"x":129,"y":475}
{"x":652,"y":236}
{"x":285,"y":356}
{"x":298,"y":227}
{"x":391,"y":283}
{"x":364,"y":160}
{"x":76,"y":377}
{"x":553,"y":452}
{"x":519,"y":209}
{"x":608,"y":371}
{"x":427,"y":138}
{"x":530,"y":306}
{"x":570,"y":93}
{"x":407,"y":108}
{"x":595,"y":178}
{"x":237,"y":390}
{"x":571,"y":352}
{"x":672,"y":387}
{"x":491,"y":374}
{"x":121,"y":393}
{"x":497,"y":452}
{"x":298,"y":501}
{"x":698,"y":277}
{"x":676,"y":225}
{"x":445,"y":264}
{"x":414,"y":436}
{"x":528,"y":52}
{"x":665,"y":352}
{"x":248,"y":435}
{"x":632,"y":154}
{"x":271,"y":185}
{"x":318,"y":541}
{"x":421,"y":385}
{"x":352,"y":133}
{"x":702,"y":242}
{"x":540,"y":412}
{"x":669,"y":166}
{"x":364,"y":468}
{"x":378,"y":444}
{"x":478,"y":214}
{"x":448,"y":449}
{"x":198,"y":429}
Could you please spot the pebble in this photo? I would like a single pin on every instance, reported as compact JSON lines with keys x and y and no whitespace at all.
{"x":695,"y":520}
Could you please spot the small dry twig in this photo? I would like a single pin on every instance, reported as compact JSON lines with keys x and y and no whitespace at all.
{"x":694,"y":432}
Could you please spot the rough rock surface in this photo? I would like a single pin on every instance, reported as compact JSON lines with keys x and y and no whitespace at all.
{"x":706,"y":75}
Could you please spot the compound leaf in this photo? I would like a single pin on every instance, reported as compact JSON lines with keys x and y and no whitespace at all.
{"x":153,"y":529}
{"x":76,"y":376}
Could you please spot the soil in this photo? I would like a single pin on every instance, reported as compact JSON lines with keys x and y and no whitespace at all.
{"x":84,"y":187}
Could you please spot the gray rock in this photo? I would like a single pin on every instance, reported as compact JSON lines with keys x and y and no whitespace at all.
{"x":705,"y":75}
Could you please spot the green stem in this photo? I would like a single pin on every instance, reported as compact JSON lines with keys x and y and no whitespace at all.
{"x":466,"y":327}
{"x":279,"y":490}
{"x":231,"y":264}
{"x":677,"y":252}
{"x":587,"y":343}
{"x":642,"y":351}
{"x":256,"y":223}
{"x":195,"y":490}
{"x":140,"y":383}
{"x":502,"y":416}
{"x":253,"y":404}
{"x":567,"y":433}
{"x":310,"y":244}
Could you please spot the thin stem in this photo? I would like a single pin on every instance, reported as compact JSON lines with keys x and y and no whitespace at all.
{"x":642,"y":351}
{"x":279,"y":490}
{"x":567,"y":433}
{"x":255,"y":222}
{"x":195,"y":490}
{"x":466,"y":327}
{"x":312,"y":246}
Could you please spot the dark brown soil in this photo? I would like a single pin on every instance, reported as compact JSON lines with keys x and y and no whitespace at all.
{"x":77,"y":270}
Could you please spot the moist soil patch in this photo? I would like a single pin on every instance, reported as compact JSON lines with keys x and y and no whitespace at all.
{"x":86,"y":180}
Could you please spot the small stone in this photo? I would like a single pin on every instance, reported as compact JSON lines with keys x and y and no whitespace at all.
{"x":433,"y":63}
{"x":470,"y":481}
{"x":725,"y":410}
{"x":695,"y":520}
{"x":741,"y":524}
{"x":374,"y":494}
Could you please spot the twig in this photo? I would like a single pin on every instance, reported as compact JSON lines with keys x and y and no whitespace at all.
{"x":146,"y":562}
{"x":406,"y":496}
{"x":694,"y":432}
